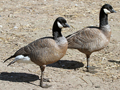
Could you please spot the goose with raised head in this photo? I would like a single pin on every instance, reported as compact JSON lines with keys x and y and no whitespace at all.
{"x":91,"y":38}
{"x":45,"y":50}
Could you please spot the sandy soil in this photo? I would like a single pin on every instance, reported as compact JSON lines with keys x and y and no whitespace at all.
{"x":23,"y":21}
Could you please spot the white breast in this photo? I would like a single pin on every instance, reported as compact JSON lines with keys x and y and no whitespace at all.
{"x":61,"y":40}
{"x":106,"y":28}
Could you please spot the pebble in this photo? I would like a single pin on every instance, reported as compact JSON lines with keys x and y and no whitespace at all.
{"x":1,"y":26}
{"x":76,"y":5}
{"x":15,"y":27}
{"x":97,"y":86}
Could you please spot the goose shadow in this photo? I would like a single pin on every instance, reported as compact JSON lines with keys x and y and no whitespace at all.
{"x":66,"y":64}
{"x":114,"y":61}
{"x":18,"y":77}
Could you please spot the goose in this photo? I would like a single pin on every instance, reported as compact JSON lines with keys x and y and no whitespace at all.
{"x":91,"y":39}
{"x":45,"y":50}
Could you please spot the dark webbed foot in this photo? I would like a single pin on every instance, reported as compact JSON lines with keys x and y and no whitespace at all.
{"x":87,"y":70}
{"x":91,"y":69}
{"x":46,"y":80}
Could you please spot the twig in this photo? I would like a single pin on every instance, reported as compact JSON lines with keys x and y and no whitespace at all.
{"x":84,"y":80}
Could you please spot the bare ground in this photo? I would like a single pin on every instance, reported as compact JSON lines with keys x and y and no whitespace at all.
{"x":24,"y":21}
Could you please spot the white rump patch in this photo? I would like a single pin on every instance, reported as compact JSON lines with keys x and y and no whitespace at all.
{"x":59,"y":25}
{"x":23,"y":59}
{"x":106,"y":11}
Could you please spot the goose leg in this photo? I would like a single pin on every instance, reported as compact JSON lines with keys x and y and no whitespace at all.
{"x":42,"y":74}
{"x":87,"y":56}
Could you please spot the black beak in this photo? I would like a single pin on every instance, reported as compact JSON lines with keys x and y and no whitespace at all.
{"x":66,"y":25}
{"x":113,"y":11}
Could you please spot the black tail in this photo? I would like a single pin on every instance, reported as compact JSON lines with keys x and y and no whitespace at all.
{"x":12,"y":62}
{"x":9,"y":58}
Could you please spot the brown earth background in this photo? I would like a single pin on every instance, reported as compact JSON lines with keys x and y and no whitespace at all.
{"x":23,"y":21}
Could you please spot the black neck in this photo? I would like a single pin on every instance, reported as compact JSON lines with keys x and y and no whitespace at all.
{"x":56,"y":31}
{"x":103,"y":19}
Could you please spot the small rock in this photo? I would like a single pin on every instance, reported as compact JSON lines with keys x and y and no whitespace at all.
{"x":76,"y":5}
{"x":15,"y":27}
{"x":80,"y":22}
{"x":97,"y":86}
{"x":1,"y":26}
{"x":10,"y":15}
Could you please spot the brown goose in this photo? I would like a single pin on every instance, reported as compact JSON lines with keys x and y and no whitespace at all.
{"x":91,"y":39}
{"x":45,"y":50}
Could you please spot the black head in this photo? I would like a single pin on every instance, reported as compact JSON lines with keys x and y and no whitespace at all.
{"x":107,"y":8}
{"x":61,"y":22}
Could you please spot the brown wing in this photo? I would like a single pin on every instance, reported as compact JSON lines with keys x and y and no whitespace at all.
{"x":87,"y":39}
{"x":42,"y":51}
{"x":40,"y":44}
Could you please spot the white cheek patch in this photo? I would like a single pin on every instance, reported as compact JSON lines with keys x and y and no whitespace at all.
{"x":106,"y":11}
{"x":59,"y":25}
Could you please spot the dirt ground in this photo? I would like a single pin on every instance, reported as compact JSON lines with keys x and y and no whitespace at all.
{"x":23,"y":21}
